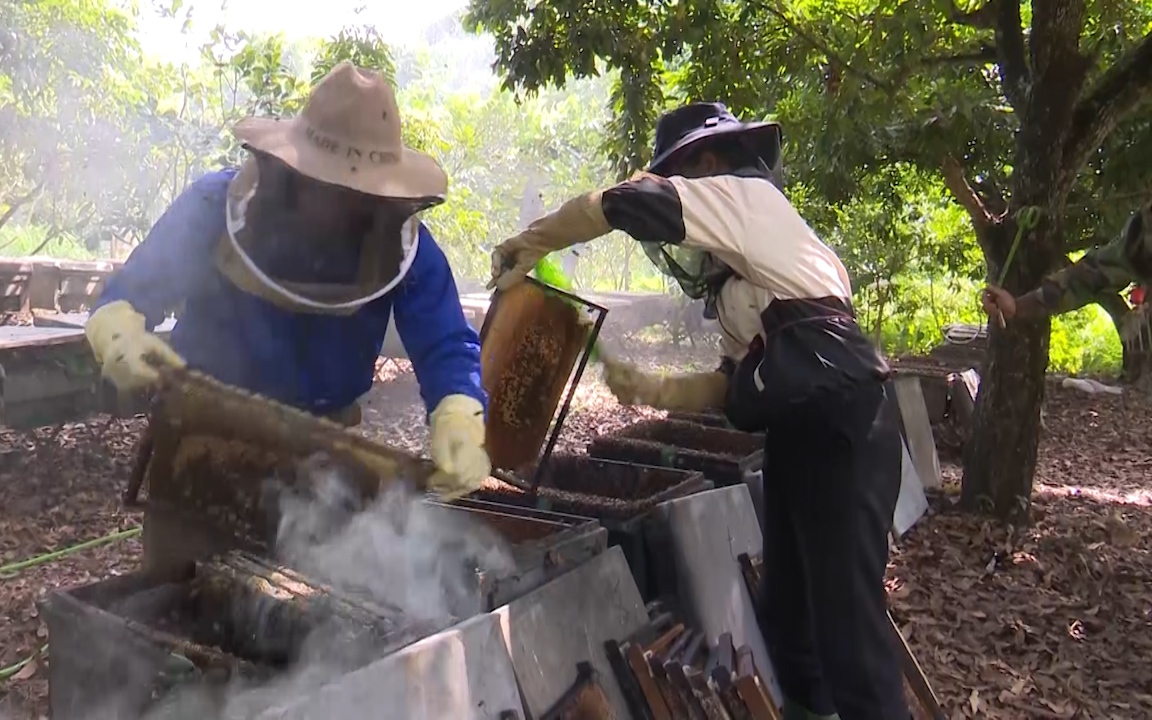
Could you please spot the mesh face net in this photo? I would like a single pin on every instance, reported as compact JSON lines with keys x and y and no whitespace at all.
{"x":698,"y":273}
{"x":319,"y":245}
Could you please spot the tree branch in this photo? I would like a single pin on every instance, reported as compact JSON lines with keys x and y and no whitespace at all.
{"x":1120,"y":90}
{"x":1014,"y":72}
{"x":958,"y":185}
{"x":15,"y":204}
{"x":775,"y":9}
{"x":986,"y":53}
{"x":990,"y":194}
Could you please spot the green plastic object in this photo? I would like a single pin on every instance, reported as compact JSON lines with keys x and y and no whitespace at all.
{"x":548,"y":271}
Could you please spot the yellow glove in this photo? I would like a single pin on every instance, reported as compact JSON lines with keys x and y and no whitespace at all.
{"x":577,"y":221}
{"x":458,"y":446}
{"x":695,"y":392}
{"x":123,"y":346}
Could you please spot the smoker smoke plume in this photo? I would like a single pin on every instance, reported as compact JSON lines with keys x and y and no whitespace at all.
{"x":397,"y":552}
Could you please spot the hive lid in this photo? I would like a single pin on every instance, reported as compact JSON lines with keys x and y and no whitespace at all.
{"x":532,"y":338}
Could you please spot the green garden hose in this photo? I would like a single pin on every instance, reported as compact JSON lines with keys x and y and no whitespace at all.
{"x":12,"y":569}
{"x":11,"y":670}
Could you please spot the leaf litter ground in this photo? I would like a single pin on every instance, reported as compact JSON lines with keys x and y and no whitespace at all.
{"x":1052,"y":621}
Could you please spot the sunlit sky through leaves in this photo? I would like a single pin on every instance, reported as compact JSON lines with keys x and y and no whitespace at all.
{"x":400,"y":22}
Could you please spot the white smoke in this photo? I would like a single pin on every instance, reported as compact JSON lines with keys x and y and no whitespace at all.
{"x":399,"y":552}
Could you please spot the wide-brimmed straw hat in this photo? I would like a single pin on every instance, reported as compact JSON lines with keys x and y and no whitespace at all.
{"x":694,"y":123}
{"x":348,"y":134}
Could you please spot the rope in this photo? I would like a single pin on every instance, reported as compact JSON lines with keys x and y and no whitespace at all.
{"x":8,"y":571}
{"x":963,"y":334}
{"x":1026,"y":219}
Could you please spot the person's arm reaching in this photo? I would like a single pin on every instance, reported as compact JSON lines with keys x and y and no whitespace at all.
{"x":744,"y":221}
{"x":445,"y":355}
{"x":647,"y":208}
{"x":443,"y":347}
{"x":157,"y":276}
{"x":1103,"y":270}
{"x":577,"y":221}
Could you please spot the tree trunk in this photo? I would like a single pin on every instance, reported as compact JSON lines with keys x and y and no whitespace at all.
{"x":1137,"y":345}
{"x":1042,"y":79}
{"x":626,"y":278}
{"x":1000,"y":456}
{"x":881,"y":300}
{"x":1138,"y":369}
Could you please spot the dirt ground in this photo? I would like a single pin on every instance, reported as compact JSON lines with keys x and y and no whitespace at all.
{"x":1054,"y":621}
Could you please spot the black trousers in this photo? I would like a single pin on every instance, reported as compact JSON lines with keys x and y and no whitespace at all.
{"x":831,"y":480}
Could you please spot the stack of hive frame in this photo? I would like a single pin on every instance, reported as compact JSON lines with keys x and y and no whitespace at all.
{"x":724,"y":456}
{"x":667,"y":673}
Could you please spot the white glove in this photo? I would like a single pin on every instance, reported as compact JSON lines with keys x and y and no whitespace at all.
{"x":126,"y":351}
{"x":457,"y":446}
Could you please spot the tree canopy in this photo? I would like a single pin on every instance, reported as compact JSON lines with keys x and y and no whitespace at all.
{"x":1008,"y":104}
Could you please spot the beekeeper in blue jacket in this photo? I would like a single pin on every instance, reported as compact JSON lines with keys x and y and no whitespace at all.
{"x":287,"y":269}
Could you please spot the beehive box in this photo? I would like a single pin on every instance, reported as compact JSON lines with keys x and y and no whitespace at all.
{"x":613,"y":492}
{"x":707,"y":419}
{"x":723,"y":456}
{"x":541,"y":544}
{"x":618,"y":495}
{"x":121,"y":645}
{"x":224,"y":462}
{"x":530,"y":343}
{"x":544,"y":545}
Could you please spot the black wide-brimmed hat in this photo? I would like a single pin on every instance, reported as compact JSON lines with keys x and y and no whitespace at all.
{"x":696,"y":122}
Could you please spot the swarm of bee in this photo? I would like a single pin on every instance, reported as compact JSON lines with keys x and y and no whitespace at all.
{"x":538,"y":351}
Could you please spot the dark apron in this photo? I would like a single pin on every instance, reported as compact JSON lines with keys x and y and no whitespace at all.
{"x":812,"y":349}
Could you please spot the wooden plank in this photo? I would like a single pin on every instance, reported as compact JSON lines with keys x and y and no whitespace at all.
{"x":705,"y":695}
{"x":674,"y":669}
{"x":643,"y":674}
{"x":754,"y":697}
{"x":629,"y":683}
{"x":915,"y":678}
{"x":24,"y":337}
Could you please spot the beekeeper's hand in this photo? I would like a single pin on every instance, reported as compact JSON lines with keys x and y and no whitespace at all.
{"x":694,"y":392}
{"x":577,"y":221}
{"x":124,"y":348}
{"x":458,"y":446}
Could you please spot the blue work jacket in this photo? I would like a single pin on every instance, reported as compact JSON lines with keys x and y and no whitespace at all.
{"x":320,"y":363}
